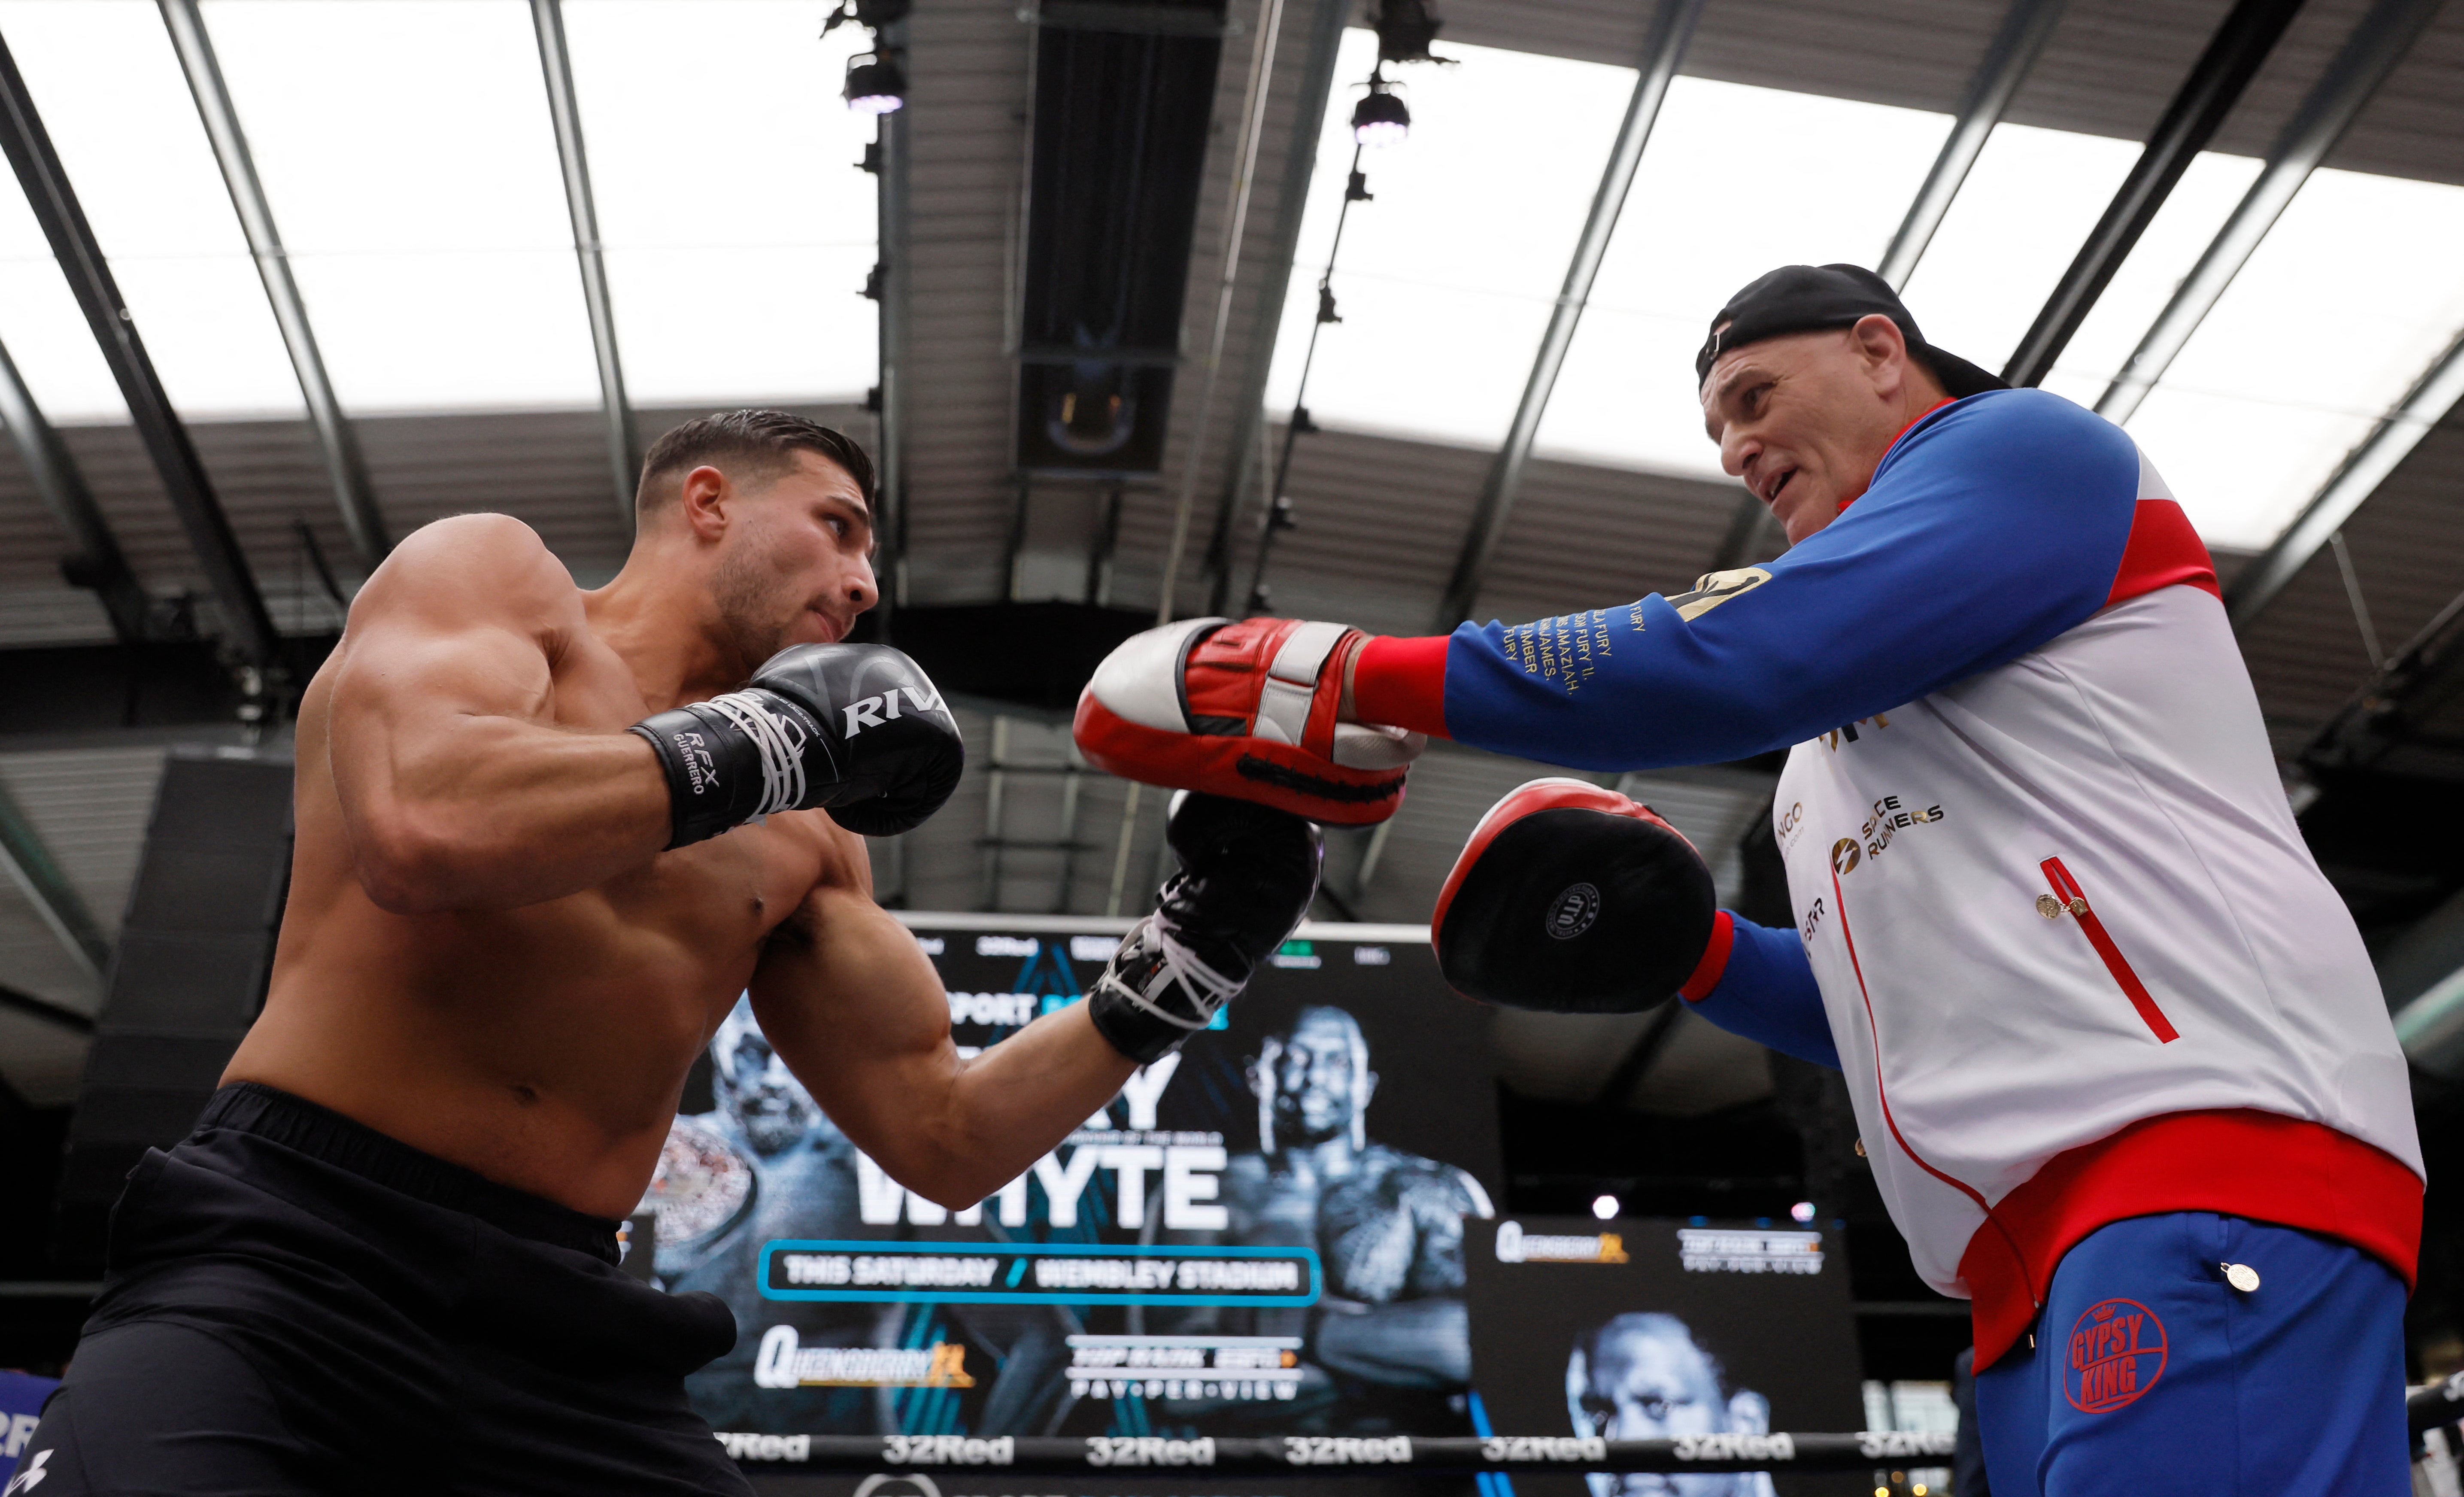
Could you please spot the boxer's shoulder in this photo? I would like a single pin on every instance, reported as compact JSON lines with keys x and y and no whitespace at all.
{"x":468,"y":569}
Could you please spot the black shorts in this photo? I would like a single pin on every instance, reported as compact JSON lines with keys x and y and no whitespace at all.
{"x":297,"y":1303}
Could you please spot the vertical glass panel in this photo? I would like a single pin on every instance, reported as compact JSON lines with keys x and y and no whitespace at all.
{"x":119,"y":112}
{"x":1736,"y":180}
{"x":738,"y":229}
{"x":1444,"y":280}
{"x":2018,"y":221}
{"x":2342,"y":307}
{"x":406,"y":149}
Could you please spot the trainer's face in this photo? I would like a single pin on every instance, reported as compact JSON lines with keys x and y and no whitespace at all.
{"x":1316,"y":1079}
{"x":1804,"y":419}
{"x":1654,"y":1387}
{"x":795,"y":566}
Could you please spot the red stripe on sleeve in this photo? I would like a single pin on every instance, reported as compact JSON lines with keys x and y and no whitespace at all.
{"x":2162,"y":550}
{"x":1714,"y":965}
{"x":1401,"y":683}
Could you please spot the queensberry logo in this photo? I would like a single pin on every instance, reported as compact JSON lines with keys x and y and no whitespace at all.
{"x":872,"y":712}
{"x":1516,"y":1246}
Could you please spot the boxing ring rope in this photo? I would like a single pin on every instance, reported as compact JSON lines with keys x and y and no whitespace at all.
{"x":1448,"y":1456}
{"x":1323,"y":1455}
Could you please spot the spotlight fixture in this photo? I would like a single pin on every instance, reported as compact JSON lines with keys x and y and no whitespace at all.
{"x":1605,"y":1207}
{"x":1802,"y":1212}
{"x":876,"y":83}
{"x":1380,"y":118}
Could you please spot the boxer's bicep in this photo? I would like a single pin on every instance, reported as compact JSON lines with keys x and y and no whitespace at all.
{"x":856,"y":1009}
{"x":859,"y":1014}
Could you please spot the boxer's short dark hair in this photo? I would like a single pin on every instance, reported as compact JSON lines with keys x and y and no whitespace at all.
{"x":748,"y":444}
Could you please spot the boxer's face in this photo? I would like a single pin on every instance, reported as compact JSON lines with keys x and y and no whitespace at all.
{"x":1316,"y":1080}
{"x":795,"y":564}
{"x":1654,"y":1387}
{"x":1803,"y":419}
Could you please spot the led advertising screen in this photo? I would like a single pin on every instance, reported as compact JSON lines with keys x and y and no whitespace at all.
{"x":1263,"y":1234}
{"x":1639,"y":1329}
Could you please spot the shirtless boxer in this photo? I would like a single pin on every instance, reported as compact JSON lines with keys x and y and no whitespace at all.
{"x":543,"y":842}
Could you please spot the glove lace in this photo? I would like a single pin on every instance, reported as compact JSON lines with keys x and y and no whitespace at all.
{"x":778,"y":740}
{"x":1208,"y":989}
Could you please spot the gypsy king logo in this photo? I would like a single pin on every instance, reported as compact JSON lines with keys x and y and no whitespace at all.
{"x":2117,"y":1351}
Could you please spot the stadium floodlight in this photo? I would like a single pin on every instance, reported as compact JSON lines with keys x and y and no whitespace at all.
{"x":876,"y":86}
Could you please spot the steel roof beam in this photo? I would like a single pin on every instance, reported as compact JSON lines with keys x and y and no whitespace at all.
{"x":34,"y":871}
{"x":246,"y":625}
{"x":895,"y":231}
{"x":2377,"y":43}
{"x":624,"y":455}
{"x":2431,"y":397}
{"x":1671,"y":27}
{"x":2008,"y":58}
{"x":1300,"y":169}
{"x":345,"y":467}
{"x":2214,"y":86}
{"x":50,"y":1013}
{"x":1244,"y":178}
{"x":98,"y":564}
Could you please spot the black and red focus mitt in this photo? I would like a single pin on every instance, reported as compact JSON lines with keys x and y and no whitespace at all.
{"x":1246,"y":709}
{"x":1570,"y":899}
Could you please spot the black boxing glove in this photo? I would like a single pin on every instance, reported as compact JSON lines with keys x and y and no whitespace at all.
{"x":856,"y":728}
{"x":1572,"y":899}
{"x":1248,"y":872}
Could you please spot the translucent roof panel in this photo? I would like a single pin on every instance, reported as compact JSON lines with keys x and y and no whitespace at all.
{"x":740,"y":231}
{"x":1444,"y":281}
{"x":2306,"y":351}
{"x":119,"y":112}
{"x":1736,"y":180}
{"x":2026,"y":206}
{"x":2186,"y":225}
{"x":407,"y":153}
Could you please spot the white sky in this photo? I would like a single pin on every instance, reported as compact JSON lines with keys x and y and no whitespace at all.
{"x":407,"y":150}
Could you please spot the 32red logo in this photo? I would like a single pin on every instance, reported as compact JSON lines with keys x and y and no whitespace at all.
{"x":2117,"y":1353}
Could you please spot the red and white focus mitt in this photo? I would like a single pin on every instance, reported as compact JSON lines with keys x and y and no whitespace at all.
{"x":1244,"y":710}
{"x":1570,"y":899}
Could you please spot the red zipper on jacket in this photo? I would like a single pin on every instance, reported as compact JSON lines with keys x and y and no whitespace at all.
{"x":2074,"y":898}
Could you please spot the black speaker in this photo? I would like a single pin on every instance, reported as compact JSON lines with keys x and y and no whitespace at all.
{"x":187,"y":980}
